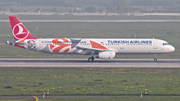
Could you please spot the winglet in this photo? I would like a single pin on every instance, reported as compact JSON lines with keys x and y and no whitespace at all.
{"x":19,"y":31}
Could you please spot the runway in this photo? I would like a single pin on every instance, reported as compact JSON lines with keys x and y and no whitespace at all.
{"x":78,"y":62}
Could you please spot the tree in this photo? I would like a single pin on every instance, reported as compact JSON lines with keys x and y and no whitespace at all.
{"x":54,"y":9}
{"x":91,"y":9}
{"x":118,"y":4}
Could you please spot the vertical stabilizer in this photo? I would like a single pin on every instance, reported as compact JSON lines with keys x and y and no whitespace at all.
{"x":19,"y":31}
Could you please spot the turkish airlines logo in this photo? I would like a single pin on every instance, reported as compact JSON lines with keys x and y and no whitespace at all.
{"x":19,"y":31}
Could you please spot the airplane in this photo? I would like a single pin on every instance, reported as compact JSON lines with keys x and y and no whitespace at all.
{"x":101,"y":48}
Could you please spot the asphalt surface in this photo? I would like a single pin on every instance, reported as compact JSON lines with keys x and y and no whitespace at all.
{"x":102,"y":63}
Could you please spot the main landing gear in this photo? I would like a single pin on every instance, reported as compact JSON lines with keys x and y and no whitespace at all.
{"x":155,"y":59}
{"x":91,"y":59}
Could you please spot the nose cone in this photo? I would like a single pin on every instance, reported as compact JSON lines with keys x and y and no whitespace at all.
{"x":172,"y":49}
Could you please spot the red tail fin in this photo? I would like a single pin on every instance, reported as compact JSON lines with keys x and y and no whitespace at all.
{"x":19,"y":30}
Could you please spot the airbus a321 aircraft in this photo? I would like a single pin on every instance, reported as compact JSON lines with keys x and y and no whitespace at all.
{"x":101,"y":48}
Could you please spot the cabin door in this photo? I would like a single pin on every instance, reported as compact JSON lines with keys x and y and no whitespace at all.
{"x":155,"y":44}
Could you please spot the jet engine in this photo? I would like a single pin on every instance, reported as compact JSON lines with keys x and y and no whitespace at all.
{"x":107,"y":55}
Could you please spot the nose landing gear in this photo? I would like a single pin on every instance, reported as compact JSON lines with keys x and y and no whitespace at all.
{"x":155,"y":59}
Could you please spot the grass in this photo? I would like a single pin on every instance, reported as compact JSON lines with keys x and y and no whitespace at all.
{"x":98,"y":99}
{"x":168,"y":31}
{"x":60,"y":81}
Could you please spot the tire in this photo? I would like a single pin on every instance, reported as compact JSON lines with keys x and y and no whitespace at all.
{"x":155,"y":59}
{"x":91,"y":59}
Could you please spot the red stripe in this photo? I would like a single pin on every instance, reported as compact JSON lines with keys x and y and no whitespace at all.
{"x":66,"y":50}
{"x":17,"y":45}
{"x":96,"y":45}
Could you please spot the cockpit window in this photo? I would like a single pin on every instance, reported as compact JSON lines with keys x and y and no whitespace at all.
{"x":165,"y":44}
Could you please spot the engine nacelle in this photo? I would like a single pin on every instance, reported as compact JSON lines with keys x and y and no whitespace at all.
{"x":107,"y":55}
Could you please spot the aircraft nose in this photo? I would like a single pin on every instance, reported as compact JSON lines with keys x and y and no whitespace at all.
{"x":172,"y":49}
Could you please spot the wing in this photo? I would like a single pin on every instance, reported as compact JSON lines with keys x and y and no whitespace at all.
{"x":92,"y":49}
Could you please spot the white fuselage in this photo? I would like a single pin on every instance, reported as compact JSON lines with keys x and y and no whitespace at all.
{"x":102,"y":48}
{"x":87,"y":46}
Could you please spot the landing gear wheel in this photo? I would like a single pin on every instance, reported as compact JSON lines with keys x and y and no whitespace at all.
{"x":155,"y":59}
{"x":91,"y":59}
